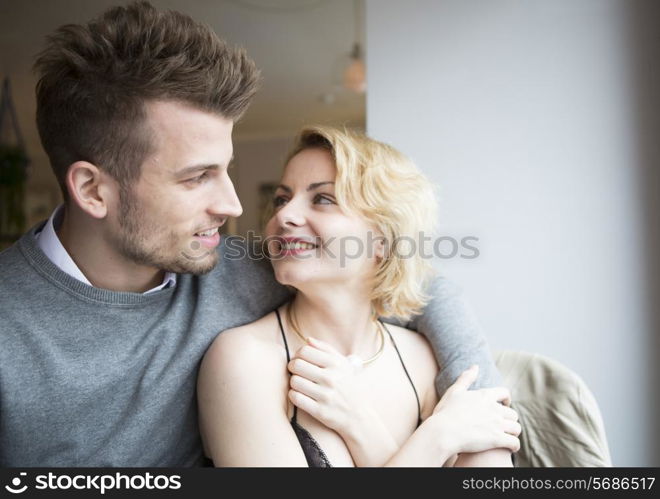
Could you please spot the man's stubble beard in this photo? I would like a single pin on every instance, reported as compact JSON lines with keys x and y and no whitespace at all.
{"x":152,"y":244}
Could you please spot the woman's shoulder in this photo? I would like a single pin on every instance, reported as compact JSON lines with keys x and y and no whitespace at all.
{"x":419,"y":359}
{"x":241,"y":390}
{"x":412,"y":345}
{"x":240,"y":349}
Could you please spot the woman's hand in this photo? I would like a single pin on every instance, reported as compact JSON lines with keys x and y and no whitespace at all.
{"x":475,"y":420}
{"x":326,"y":385}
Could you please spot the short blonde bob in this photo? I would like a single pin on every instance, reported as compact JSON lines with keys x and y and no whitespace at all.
{"x":379,"y":183}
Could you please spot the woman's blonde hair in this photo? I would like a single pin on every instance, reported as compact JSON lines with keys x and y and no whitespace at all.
{"x":379,"y":183}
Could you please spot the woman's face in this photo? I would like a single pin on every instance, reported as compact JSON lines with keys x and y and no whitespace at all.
{"x":311,"y":240}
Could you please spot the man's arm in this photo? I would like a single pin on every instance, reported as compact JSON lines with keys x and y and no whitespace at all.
{"x":455,"y":335}
{"x":452,"y":328}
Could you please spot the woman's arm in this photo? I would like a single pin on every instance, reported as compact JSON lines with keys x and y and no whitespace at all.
{"x":242,"y":408}
{"x":468,"y":427}
{"x":324,"y":385}
{"x":494,"y":458}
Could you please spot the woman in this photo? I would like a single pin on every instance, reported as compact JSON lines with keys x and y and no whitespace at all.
{"x":320,"y":381}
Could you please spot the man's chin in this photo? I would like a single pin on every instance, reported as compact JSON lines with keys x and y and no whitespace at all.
{"x":199,"y":264}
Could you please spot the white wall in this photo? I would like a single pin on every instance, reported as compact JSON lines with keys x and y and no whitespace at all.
{"x":525,"y":114}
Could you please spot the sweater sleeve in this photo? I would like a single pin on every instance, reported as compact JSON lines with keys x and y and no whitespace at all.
{"x":252,"y":278}
{"x":452,"y":328}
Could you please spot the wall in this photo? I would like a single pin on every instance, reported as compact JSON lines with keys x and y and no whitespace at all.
{"x":259,"y":159}
{"x":298,"y":46}
{"x":533,"y":117}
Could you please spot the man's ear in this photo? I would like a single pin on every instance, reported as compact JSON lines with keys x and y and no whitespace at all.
{"x":90,"y":188}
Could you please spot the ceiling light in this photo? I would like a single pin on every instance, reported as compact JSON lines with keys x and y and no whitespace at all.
{"x":355,"y":72}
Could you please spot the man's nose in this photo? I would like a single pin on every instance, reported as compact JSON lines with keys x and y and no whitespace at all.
{"x":226,"y":201}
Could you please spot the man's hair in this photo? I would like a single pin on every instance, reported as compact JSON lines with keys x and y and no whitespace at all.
{"x":380,"y":184}
{"x":95,"y":79}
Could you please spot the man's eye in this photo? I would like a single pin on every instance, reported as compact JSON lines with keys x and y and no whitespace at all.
{"x":199,"y":178}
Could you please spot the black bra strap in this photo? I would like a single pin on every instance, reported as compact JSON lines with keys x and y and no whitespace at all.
{"x":286,"y":345}
{"x":288,"y":359}
{"x":419,"y":407}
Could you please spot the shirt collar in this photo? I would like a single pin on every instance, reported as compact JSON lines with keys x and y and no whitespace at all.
{"x":52,"y":247}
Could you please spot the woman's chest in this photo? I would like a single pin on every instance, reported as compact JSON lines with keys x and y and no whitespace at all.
{"x":390,"y":396}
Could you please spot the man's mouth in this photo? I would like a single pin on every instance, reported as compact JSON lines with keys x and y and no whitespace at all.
{"x":208,"y":233}
{"x":209,"y":238}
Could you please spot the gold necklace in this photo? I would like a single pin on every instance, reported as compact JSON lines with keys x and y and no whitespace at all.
{"x":379,"y":327}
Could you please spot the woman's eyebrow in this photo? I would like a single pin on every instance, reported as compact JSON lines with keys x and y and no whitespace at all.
{"x":311,"y":187}
{"x":316,"y":185}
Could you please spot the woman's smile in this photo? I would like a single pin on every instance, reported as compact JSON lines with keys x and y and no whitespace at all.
{"x":295,"y":246}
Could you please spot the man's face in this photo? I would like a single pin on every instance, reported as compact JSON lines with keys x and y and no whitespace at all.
{"x":169,"y":219}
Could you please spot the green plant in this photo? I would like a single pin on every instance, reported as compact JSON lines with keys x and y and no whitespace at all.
{"x":13,"y":163}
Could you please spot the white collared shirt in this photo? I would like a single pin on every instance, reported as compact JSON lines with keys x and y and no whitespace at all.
{"x":50,"y":244}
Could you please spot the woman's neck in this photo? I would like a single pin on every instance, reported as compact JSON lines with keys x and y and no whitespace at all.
{"x":340,"y":318}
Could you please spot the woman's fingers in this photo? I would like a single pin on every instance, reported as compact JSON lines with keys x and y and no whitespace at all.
{"x":305,"y":403}
{"x":499,"y":394}
{"x":307,"y":370}
{"x":507,"y":413}
{"x":465,"y":380}
{"x":306,"y":387}
{"x":512,"y":427}
{"x":506,"y":441}
{"x":315,"y":356}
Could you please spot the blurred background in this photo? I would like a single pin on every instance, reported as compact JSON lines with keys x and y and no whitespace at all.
{"x":539,"y":120}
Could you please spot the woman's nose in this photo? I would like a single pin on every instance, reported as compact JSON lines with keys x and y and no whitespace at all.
{"x":290,"y":215}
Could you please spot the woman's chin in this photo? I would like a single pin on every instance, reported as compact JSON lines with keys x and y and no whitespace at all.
{"x":295,"y":278}
{"x":287,"y":277}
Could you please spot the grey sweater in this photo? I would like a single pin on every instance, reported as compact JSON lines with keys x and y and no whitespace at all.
{"x":92,"y":377}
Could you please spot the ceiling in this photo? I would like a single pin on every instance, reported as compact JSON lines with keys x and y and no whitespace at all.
{"x":299,"y":45}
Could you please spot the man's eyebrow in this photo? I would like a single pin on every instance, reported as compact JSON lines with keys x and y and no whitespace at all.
{"x":184,"y":172}
{"x":199,"y":168}
{"x":310,"y":187}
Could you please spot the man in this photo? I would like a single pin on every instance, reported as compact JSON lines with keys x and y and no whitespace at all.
{"x":108,"y":307}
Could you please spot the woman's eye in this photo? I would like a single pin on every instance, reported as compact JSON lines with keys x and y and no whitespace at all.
{"x":279,"y":201}
{"x":321,"y":199}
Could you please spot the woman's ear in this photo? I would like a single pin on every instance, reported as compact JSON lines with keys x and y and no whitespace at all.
{"x":380,"y":247}
{"x":89,"y":188}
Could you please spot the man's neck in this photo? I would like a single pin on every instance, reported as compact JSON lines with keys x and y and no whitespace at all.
{"x":103,"y":266}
